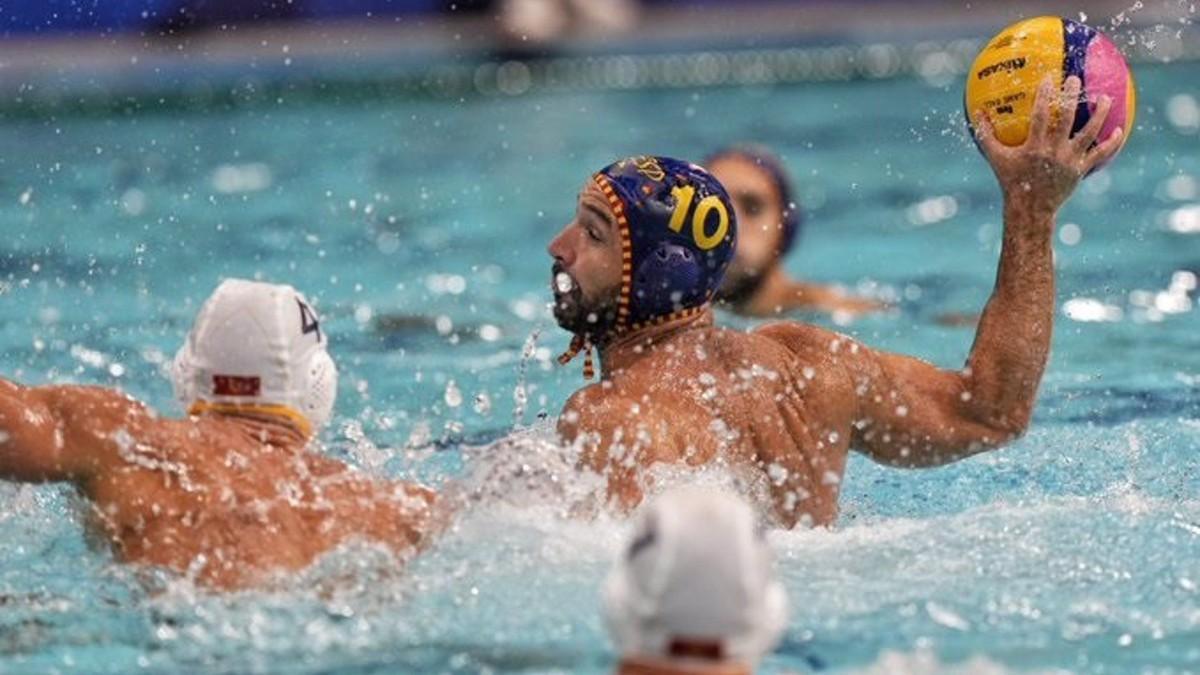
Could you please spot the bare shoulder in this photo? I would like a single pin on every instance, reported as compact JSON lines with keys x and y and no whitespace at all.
{"x":96,"y":411}
{"x":803,"y":338}
{"x":589,"y":408}
{"x":832,"y":361}
{"x":93,"y":400}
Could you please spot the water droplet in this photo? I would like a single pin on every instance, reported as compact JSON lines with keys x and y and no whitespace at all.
{"x":453,"y":396}
{"x":483,"y":403}
{"x":1070,"y":234}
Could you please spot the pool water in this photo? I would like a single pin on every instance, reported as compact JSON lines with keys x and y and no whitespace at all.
{"x":418,"y":226}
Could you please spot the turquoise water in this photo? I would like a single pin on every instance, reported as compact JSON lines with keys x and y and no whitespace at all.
{"x":419,"y":227}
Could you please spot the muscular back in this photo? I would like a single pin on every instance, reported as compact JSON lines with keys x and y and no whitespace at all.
{"x":771,"y":402}
{"x":223,"y":499}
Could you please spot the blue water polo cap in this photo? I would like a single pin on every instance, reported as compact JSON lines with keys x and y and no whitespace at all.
{"x":678,"y":234}
{"x":793,"y":217}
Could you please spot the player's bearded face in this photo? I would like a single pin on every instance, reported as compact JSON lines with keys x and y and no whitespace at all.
{"x":586,"y":274}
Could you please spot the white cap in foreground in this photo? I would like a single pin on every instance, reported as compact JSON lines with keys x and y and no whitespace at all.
{"x":257,"y":348}
{"x":696,"y":583}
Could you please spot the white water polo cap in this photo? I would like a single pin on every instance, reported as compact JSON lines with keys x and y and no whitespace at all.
{"x":257,"y":348}
{"x":696,"y":582}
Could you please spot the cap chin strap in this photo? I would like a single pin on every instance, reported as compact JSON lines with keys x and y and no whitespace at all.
{"x":580,"y":343}
{"x":291,"y":415}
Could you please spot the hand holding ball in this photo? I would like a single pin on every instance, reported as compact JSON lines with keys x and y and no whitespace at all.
{"x":1003,"y":80}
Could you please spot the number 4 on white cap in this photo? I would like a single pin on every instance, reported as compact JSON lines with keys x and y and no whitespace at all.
{"x":308,"y":320}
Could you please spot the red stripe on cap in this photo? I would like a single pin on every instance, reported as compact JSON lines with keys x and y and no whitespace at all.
{"x":695,"y":648}
{"x":236,"y":385}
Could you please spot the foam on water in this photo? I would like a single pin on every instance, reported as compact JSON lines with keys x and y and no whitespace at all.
{"x":1032,"y":579}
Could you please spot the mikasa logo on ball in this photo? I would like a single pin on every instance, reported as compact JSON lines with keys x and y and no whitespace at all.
{"x":1004,"y":76}
{"x":1007,"y":66}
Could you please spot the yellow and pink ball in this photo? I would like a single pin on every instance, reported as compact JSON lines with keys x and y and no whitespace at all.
{"x":1004,"y":78}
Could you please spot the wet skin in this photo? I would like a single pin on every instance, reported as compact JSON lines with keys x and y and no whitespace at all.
{"x":758,"y":263}
{"x":230,"y":500}
{"x":788,"y":401}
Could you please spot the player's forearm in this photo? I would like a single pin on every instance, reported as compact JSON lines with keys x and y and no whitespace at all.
{"x":1012,"y":344}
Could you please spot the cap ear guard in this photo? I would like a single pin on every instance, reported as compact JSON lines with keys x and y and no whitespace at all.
{"x":766,"y":634}
{"x":620,"y":616}
{"x":777,"y":616}
{"x":319,"y":389}
{"x":668,"y":280}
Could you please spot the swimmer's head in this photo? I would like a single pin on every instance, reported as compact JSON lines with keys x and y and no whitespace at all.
{"x":650,"y":241}
{"x":257,"y":349}
{"x":695,"y":584}
{"x":768,"y":218}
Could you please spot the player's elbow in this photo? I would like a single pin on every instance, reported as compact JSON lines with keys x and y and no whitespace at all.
{"x":995,"y":421}
{"x":1018,"y":427}
{"x":1005,"y":429}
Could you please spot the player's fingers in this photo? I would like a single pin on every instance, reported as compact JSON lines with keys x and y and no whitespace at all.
{"x":1064,"y":112}
{"x":1105,"y":151}
{"x":985,"y":134}
{"x":1090,"y":131}
{"x":1039,"y":119}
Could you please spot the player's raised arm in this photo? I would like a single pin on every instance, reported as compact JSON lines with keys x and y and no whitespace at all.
{"x":914,"y":414}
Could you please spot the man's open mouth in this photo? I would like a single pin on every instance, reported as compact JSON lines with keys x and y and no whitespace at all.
{"x":561,"y":283}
